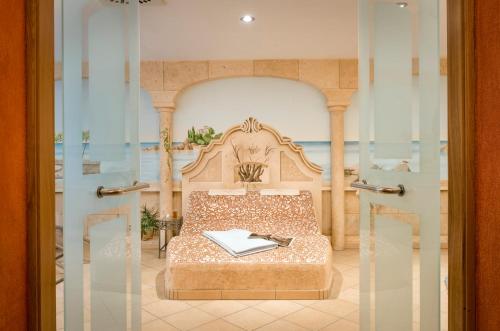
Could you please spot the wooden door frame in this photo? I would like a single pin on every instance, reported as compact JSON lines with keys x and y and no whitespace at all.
{"x":461,"y":203}
{"x":40,"y":169}
{"x":40,"y":164}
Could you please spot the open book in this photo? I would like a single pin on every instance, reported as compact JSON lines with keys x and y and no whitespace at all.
{"x":237,"y":242}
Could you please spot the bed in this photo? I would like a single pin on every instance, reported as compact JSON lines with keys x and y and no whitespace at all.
{"x":197,"y":268}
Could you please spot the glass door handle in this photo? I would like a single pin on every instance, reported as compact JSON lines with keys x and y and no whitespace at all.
{"x":399,"y":190}
{"x":103,"y":191}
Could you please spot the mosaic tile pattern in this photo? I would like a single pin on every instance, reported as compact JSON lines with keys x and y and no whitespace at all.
{"x":290,"y":215}
{"x":308,"y":249}
{"x":196,"y":263}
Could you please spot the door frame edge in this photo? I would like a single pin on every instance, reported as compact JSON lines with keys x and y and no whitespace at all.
{"x":461,"y":154}
{"x":40,"y":174}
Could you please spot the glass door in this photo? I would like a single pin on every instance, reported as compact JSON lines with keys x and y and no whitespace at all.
{"x":101,"y":165}
{"x":399,"y":77}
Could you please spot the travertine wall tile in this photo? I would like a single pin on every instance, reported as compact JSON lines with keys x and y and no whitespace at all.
{"x":178,"y":75}
{"x":321,"y":73}
{"x":349,"y":74}
{"x":277,"y":68}
{"x":444,"y":202}
{"x":351,"y":203}
{"x":415,"y":67}
{"x":351,"y":224}
{"x":85,"y":70}
{"x":338,"y":97}
{"x":444,"y":67}
{"x":57,"y":71}
{"x":152,"y":75}
{"x":220,"y":69}
{"x":163,"y":99}
{"x":444,"y":224}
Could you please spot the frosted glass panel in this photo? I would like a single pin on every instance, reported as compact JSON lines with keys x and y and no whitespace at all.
{"x":106,"y":52}
{"x":108,"y":275}
{"x":393,"y":81}
{"x":101,"y":235}
{"x":393,"y":274}
{"x":392,"y":256}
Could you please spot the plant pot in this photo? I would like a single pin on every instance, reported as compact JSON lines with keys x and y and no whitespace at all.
{"x":147,"y":234}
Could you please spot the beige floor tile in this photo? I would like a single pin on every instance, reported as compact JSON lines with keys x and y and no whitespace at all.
{"x":158,"y":325}
{"x":340,"y":314}
{"x":250,"y":319}
{"x":147,"y":317}
{"x":155,"y":263}
{"x":353,"y":317}
{"x":281,"y":325}
{"x":279,"y":308}
{"x":221,"y":308}
{"x":352,"y":272}
{"x":149,"y":295}
{"x":166,"y":307}
{"x":351,"y":295}
{"x":337,"y":307}
{"x":341,"y":267}
{"x":305,"y":303}
{"x":348,"y":282}
{"x":250,"y":303}
{"x":149,"y":276}
{"x":342,"y":325}
{"x":217,"y":325}
{"x":189,"y":319}
{"x":60,"y":320}
{"x":196,"y":303}
{"x":311,"y":319}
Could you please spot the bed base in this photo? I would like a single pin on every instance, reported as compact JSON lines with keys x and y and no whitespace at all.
{"x":248,"y":294}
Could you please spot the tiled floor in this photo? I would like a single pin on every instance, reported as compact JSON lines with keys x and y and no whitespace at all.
{"x":339,"y":313}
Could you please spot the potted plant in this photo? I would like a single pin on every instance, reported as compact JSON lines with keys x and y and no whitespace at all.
{"x":149,"y":222}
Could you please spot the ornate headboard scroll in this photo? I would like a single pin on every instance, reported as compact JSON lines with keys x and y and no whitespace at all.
{"x":256,"y":154}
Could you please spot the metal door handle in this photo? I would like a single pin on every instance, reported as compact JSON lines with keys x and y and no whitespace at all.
{"x":399,"y":190}
{"x":102,"y":191}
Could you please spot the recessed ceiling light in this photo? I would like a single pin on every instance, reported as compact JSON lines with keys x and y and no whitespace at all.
{"x":402,"y":4}
{"x":247,"y":19}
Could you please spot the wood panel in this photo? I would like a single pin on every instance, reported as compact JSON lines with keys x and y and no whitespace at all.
{"x":13,"y":207}
{"x":461,"y":252}
{"x":487,"y":160}
{"x":40,"y":164}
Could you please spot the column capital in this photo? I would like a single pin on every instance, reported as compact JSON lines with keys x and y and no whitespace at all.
{"x":163,"y":99}
{"x":338,"y":99}
{"x":165,"y":109}
{"x":337,"y":108}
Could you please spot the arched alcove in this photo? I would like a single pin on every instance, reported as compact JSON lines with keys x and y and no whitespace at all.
{"x":292,"y":107}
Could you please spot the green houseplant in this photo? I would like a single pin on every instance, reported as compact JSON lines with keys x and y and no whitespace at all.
{"x":149,"y":222}
{"x":202,"y":137}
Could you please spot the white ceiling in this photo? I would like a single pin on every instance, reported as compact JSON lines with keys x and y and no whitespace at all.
{"x":211,"y":29}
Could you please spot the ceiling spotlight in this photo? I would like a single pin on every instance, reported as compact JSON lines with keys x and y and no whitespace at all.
{"x":247,"y":19}
{"x":402,"y":4}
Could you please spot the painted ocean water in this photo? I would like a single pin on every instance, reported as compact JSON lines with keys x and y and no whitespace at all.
{"x":317,"y":151}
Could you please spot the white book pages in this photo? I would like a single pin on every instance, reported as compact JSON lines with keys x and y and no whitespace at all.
{"x":237,"y":243}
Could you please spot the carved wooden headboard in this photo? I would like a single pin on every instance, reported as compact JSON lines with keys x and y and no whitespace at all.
{"x":262,"y":150}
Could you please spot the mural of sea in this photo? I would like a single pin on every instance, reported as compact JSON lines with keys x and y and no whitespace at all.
{"x":317,"y":151}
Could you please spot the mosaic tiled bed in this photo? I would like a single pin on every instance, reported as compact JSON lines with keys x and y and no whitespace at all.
{"x":199,"y":269}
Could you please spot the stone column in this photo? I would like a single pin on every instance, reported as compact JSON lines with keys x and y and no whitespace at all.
{"x":166,"y":162}
{"x":337,"y":174}
{"x":338,"y":100}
